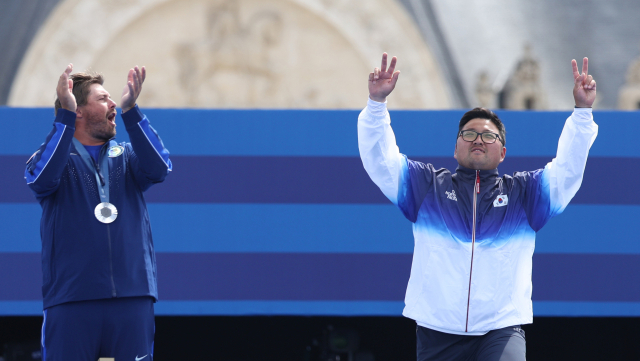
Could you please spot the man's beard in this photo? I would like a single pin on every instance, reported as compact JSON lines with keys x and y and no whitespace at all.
{"x":100,"y":128}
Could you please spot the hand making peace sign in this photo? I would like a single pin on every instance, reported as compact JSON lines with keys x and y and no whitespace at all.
{"x":584,"y":89}
{"x":383,"y":80}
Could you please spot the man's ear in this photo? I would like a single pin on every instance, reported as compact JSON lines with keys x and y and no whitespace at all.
{"x":455,"y":151}
{"x":78,"y":112}
{"x":503,"y":154}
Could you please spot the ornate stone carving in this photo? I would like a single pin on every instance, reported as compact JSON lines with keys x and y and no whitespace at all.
{"x":522,"y":90}
{"x":234,"y":53}
{"x":230,"y":49}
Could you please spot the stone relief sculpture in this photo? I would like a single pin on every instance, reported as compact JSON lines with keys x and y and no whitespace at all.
{"x":234,"y":63}
{"x":305,"y":54}
{"x":523,"y":90}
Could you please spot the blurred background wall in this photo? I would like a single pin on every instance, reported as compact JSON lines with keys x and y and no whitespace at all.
{"x":316,"y":53}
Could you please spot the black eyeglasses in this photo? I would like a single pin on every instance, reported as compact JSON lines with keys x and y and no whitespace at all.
{"x":472,"y":135}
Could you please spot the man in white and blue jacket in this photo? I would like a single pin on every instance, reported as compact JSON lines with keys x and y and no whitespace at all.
{"x":474,"y":230}
{"x":98,"y":260}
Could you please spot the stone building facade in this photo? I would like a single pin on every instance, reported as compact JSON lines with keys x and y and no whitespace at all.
{"x":317,"y":53}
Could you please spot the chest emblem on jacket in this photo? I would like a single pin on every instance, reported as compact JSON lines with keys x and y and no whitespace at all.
{"x":501,"y":200}
{"x":451,"y":195}
{"x":115,"y":151}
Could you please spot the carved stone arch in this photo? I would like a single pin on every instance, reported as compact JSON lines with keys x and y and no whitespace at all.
{"x":234,"y":53}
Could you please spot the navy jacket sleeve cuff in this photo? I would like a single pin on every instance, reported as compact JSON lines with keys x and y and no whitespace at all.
{"x":66,"y":117}
{"x":132,"y":117}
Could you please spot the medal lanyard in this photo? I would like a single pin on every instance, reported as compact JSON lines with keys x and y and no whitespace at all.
{"x":103,"y":168}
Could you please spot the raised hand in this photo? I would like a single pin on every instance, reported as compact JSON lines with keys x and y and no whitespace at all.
{"x":133,"y":88}
{"x":65,"y":90}
{"x":383,"y":80}
{"x":584,"y":88}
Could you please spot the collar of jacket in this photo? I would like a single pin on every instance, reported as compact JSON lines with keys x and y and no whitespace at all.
{"x":107,"y":142}
{"x":469,"y":175}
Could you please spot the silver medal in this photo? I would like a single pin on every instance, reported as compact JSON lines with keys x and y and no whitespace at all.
{"x":106,"y":212}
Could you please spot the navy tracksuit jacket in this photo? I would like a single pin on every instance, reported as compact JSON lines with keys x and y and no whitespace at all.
{"x":82,"y":258}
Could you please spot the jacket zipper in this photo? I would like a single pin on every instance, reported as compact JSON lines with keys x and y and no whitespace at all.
{"x":113,"y":283}
{"x":476,"y":191}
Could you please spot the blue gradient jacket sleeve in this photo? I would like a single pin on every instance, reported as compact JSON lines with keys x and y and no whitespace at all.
{"x":416,"y":180}
{"x":549,"y":191}
{"x":150,"y":160}
{"x":45,"y":167}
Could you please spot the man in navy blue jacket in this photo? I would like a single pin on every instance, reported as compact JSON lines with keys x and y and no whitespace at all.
{"x":98,"y":260}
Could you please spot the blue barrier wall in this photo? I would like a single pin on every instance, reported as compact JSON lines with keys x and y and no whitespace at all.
{"x":272,"y":213}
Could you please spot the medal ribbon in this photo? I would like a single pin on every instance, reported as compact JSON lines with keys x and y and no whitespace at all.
{"x":101,"y":180}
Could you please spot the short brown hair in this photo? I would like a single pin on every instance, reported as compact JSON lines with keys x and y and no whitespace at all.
{"x":81,"y":87}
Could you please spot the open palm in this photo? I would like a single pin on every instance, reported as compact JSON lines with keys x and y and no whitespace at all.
{"x":64,"y":90}
{"x":132,"y":90}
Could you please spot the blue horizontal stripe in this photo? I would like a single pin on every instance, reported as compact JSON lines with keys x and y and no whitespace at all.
{"x":283,"y":276}
{"x":586,"y":309}
{"x":371,"y":308}
{"x":335,"y":308}
{"x":581,"y":229}
{"x":320,"y":180}
{"x":344,"y":180}
{"x":21,"y":277}
{"x":337,"y":277}
{"x":20,"y":227}
{"x":328,"y":132}
{"x":591,"y":229}
{"x":281,"y":228}
{"x":28,"y":128}
{"x":285,"y":308}
{"x":20,"y":308}
{"x":241,"y":308}
{"x":586,"y":277}
{"x":244,"y":228}
{"x":245,"y":276}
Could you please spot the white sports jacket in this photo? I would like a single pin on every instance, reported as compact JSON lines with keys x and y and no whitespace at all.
{"x":474,"y":231}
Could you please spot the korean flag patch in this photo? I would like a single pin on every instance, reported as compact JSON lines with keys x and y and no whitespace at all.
{"x":501,"y":200}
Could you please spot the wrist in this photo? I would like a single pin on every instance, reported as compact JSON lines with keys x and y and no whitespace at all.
{"x":376,"y":109}
{"x":72,"y":107}
{"x":66,"y":117}
{"x":378,"y":99}
{"x":126,"y":109}
{"x":132,"y":118}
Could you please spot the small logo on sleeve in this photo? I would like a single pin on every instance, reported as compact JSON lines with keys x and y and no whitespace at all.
{"x":501,"y":200}
{"x":451,"y":195}
{"x":115,"y":151}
